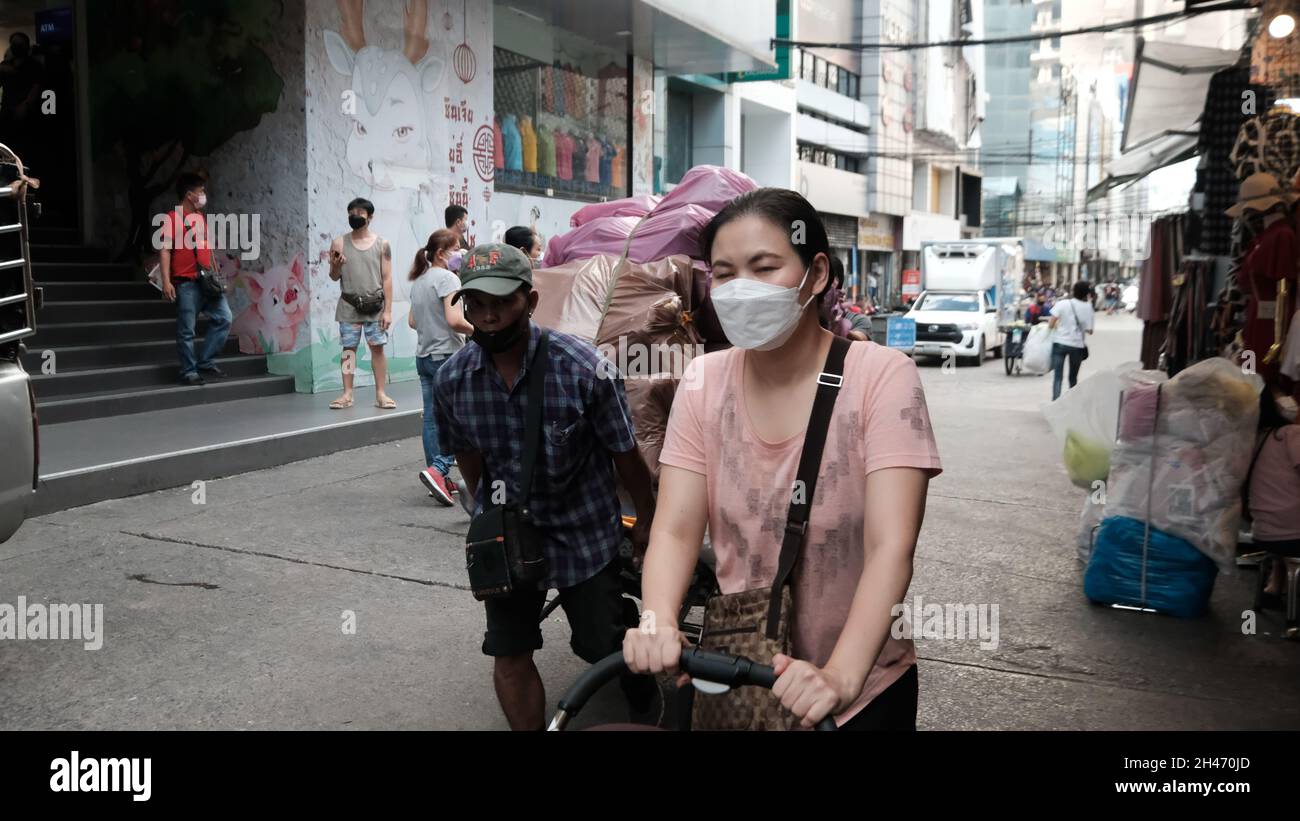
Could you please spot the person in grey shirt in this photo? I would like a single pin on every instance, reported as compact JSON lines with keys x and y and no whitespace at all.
{"x":438,"y":324}
{"x":362,"y":262}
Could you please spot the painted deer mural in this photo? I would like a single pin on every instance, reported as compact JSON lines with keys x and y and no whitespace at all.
{"x":391,"y":144}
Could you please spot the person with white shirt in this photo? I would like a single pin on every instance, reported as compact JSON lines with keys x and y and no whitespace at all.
{"x":1071,"y":319}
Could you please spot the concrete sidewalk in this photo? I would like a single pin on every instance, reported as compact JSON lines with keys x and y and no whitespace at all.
{"x":229,"y":614}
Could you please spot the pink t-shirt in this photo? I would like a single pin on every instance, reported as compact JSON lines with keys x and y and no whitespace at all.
{"x":1275,"y":487}
{"x":880,"y":421}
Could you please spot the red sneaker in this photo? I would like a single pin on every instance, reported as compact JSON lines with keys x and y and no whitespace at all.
{"x":438,"y":486}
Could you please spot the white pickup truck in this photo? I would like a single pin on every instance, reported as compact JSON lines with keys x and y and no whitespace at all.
{"x":968,"y":295}
{"x":18,"y":302}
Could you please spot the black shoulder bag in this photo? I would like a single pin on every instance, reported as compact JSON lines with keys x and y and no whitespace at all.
{"x":756,"y":623}
{"x":503,"y":549}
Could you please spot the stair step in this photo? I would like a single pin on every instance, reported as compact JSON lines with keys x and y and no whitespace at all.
{"x":93,"y":309}
{"x":48,"y":235}
{"x":94,"y":406}
{"x":82,"y":357}
{"x":106,"y":332}
{"x":63,"y":384}
{"x":42,"y":253}
{"x":98,"y":290}
{"x":49,"y":271}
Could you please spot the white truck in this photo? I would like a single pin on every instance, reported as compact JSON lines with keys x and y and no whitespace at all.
{"x":968,"y":294}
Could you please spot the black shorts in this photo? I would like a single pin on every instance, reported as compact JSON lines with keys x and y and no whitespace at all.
{"x":598,"y":615}
{"x":893,"y":709}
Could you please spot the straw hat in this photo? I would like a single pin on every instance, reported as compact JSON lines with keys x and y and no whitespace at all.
{"x":1260,"y":192}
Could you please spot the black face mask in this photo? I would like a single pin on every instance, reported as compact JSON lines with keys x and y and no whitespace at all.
{"x":356,"y":222}
{"x":502,"y":340}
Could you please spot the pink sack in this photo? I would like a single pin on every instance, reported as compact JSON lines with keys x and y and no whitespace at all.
{"x":603,"y":235}
{"x":710,"y":187}
{"x":665,"y":233}
{"x":627,"y":207}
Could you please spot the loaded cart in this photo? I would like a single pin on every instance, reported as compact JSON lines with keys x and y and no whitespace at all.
{"x":1013,"y":346}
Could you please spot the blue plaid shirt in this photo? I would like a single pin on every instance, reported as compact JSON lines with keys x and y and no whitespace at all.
{"x":585,"y":419}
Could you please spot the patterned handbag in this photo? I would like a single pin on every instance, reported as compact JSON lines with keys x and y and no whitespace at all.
{"x":756,"y":623}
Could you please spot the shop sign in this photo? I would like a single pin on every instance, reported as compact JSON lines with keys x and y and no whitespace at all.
{"x":875,"y":234}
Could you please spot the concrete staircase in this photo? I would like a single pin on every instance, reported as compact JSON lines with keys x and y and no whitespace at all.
{"x":109,"y":340}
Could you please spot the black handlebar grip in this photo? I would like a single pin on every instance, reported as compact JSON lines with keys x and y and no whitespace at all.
{"x":736,"y":671}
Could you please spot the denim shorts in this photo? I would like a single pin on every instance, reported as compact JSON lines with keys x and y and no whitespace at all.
{"x":350,"y":334}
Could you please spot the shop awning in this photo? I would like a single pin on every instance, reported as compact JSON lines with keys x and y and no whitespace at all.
{"x":679,"y":36}
{"x":1167,"y":94}
{"x":1136,"y":164}
{"x":1162,"y":115}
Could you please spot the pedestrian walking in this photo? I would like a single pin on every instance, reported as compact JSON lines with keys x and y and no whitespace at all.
{"x":586,"y":437}
{"x":1071,"y":320}
{"x":185,"y":249}
{"x":439,"y":326}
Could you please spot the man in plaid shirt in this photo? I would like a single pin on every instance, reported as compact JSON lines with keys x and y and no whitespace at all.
{"x":482,"y":397}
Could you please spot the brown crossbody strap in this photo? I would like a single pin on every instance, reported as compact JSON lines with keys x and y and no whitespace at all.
{"x":801,"y":496}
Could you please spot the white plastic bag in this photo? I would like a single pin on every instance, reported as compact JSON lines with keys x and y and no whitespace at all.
{"x":1038,"y":350}
{"x":1186,"y":476}
{"x":1093,"y":513}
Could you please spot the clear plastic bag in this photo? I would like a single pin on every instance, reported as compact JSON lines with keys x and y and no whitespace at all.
{"x":1084,"y":420}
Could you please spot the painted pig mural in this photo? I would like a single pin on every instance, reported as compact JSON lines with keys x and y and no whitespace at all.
{"x":276,"y":317}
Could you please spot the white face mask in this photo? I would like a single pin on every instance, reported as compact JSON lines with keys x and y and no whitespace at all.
{"x":758,"y":316}
{"x":201,"y":201}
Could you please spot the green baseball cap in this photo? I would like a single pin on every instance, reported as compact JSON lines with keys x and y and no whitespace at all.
{"x":494,"y":268}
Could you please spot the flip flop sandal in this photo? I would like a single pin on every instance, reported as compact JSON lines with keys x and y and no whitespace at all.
{"x":387,"y":404}
{"x":339,"y":404}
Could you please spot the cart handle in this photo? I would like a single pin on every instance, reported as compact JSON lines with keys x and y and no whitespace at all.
{"x":724,"y":668}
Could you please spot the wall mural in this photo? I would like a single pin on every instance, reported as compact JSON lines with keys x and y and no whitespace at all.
{"x":397,"y":95}
{"x":545,"y":215}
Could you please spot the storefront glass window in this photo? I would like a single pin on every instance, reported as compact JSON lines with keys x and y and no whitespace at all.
{"x":562,"y":113}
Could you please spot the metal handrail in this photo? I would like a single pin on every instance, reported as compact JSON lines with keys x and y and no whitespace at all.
{"x":27,"y":292}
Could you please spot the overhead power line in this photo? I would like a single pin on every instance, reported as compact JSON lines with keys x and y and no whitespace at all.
{"x":1018,"y":38}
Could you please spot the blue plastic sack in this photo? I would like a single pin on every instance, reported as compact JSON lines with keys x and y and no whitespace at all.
{"x":1179,"y":577}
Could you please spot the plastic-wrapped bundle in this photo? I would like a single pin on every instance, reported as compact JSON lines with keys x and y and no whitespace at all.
{"x":571,"y":296}
{"x":604,"y":235}
{"x":1173,"y":577}
{"x":672,"y":227}
{"x":1184,"y":451}
{"x":627,"y":207}
{"x":709,"y":186}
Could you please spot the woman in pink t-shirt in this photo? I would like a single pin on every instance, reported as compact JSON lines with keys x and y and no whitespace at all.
{"x":731,"y":454}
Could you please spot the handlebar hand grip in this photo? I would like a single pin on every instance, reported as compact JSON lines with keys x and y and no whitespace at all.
{"x":734,"y":671}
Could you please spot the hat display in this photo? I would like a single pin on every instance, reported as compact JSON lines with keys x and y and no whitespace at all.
{"x":1260,"y":192}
